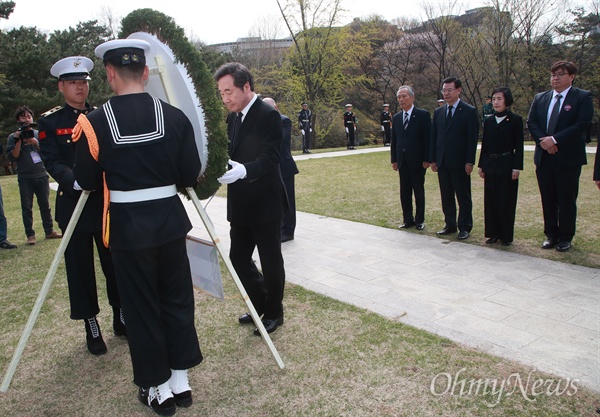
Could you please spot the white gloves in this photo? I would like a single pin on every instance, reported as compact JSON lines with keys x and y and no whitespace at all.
{"x":346,"y":130}
{"x":302,"y":132}
{"x":76,"y":186}
{"x":382,"y":128}
{"x":237,"y":172}
{"x":311,"y":130}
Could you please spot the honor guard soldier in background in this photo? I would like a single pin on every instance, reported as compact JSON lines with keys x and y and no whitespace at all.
{"x":58,"y":153}
{"x":144,"y":148}
{"x":350,"y":126}
{"x":305,"y":126}
{"x":386,"y":125}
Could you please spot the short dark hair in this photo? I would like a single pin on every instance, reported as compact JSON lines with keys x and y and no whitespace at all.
{"x":21,"y":110}
{"x":132,"y":70}
{"x":564,"y":65}
{"x":508,"y":97}
{"x":456,"y":81}
{"x":241,"y":75}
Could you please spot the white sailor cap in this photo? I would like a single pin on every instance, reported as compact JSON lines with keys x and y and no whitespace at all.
{"x":129,"y":50}
{"x":348,"y":105}
{"x":72,"y":68}
{"x":386,"y":105}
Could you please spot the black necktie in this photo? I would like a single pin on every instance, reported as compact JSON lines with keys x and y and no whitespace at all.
{"x":554,"y":115}
{"x":236,"y":128}
{"x":449,"y":116}
{"x":405,"y":125}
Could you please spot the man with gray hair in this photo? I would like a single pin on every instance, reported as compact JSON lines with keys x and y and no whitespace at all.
{"x":410,"y":156}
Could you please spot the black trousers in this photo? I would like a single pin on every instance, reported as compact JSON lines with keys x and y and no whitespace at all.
{"x":350,"y":136}
{"x":264,"y":289}
{"x":288,"y":224}
{"x":559,"y":188}
{"x":412,"y":180}
{"x":306,"y":140}
{"x":500,"y":204}
{"x":454,"y":182}
{"x":158,"y":305}
{"x":81,"y":275}
{"x":387,"y":133}
{"x":28,"y":187}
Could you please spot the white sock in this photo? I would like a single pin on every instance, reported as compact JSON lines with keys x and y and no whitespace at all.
{"x":179,"y":381}
{"x":161,"y":393}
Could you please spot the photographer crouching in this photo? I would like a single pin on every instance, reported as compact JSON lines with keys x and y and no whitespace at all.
{"x":24,"y":149}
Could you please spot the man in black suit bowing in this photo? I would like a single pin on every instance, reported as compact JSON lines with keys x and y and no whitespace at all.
{"x":557,"y":121}
{"x":410,"y":155}
{"x":453,"y":147}
{"x":255,"y":192}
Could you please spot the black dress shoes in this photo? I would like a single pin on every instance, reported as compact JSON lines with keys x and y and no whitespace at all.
{"x":246,"y":318}
{"x":563,"y":246}
{"x":506,"y":243}
{"x":446,"y":231}
{"x":270,"y":325}
{"x":406,"y":225}
{"x":463,"y":234}
{"x":549,"y":243}
{"x":491,"y":240}
{"x":420,"y":226}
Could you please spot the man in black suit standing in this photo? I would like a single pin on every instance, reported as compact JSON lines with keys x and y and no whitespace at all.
{"x":557,"y":121}
{"x":453,"y":147}
{"x":288,"y":170}
{"x":255,"y":192}
{"x":410,"y":155}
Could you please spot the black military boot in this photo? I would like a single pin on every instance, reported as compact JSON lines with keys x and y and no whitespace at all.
{"x":119,"y":322}
{"x":95,"y":343}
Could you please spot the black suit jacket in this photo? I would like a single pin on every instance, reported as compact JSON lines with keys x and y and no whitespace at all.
{"x":288,"y":165}
{"x":500,"y":138}
{"x":454,"y":146}
{"x":573,"y":120}
{"x":411,"y":146}
{"x":260,"y":197}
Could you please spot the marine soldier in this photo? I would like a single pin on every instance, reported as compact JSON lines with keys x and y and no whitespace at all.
{"x":58,"y":153}
{"x":305,"y":126}
{"x":350,"y":126}
{"x":386,"y":125}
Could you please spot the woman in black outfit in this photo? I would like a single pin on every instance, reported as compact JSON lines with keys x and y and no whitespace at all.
{"x":500,"y":163}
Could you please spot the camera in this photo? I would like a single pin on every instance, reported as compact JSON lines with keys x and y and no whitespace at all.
{"x":27,"y":131}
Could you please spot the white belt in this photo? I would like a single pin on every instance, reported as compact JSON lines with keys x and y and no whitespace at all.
{"x":145,"y":194}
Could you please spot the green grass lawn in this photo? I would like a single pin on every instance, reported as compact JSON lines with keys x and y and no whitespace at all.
{"x":340,"y":360}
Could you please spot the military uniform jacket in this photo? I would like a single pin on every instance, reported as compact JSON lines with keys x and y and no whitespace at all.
{"x":502,"y":145}
{"x":305,"y":120}
{"x":349,"y":120}
{"x":58,"y":153}
{"x":386,"y":118}
{"x":144,"y":143}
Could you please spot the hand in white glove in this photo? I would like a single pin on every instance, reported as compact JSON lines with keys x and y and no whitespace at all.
{"x":237,"y":172}
{"x":302,"y":132}
{"x":346,"y":130}
{"x":311,"y":130}
{"x":76,"y":186}
{"x":382,"y":128}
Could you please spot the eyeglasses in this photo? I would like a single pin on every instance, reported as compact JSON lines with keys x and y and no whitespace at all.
{"x":558,"y":74}
{"x":447,"y":90}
